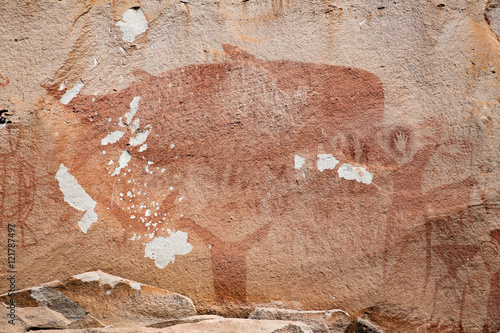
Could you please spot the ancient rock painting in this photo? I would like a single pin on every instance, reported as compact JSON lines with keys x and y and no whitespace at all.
{"x":4,"y":80}
{"x":212,"y":143}
{"x":405,"y":172}
{"x":18,"y":184}
{"x":490,"y":252}
{"x":228,"y":259}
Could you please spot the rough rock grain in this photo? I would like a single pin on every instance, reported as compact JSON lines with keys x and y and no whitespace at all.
{"x":340,"y":154}
{"x":328,"y":321}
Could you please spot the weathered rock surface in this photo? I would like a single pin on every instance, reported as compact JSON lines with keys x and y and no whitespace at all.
{"x":224,"y":325}
{"x":41,"y":318}
{"x":88,"y":321}
{"x":329,"y":321}
{"x":341,"y":154}
{"x":108,"y":298}
{"x":187,"y":320}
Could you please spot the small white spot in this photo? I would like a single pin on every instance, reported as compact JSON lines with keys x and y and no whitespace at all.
{"x":135,"y":285}
{"x":180,"y":199}
{"x":326,"y":161}
{"x":134,"y":106}
{"x":70,"y":94}
{"x":171,"y":188}
{"x":132,"y":216}
{"x":299,"y":162}
{"x":112,"y":137}
{"x":108,"y":292}
{"x":132,"y":24}
{"x":111,"y":162}
{"x":125,"y":157}
{"x":172,"y":146}
{"x":143,"y":147}
{"x":148,"y":213}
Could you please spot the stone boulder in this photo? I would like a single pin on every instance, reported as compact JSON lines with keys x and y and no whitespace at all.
{"x":41,"y":318}
{"x":327,"y":321}
{"x":110,"y":299}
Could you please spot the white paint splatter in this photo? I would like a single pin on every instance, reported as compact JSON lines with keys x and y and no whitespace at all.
{"x":326,"y":161}
{"x":132,"y":24}
{"x":134,"y":106}
{"x":125,"y":157}
{"x":70,"y":94}
{"x":76,"y":197}
{"x":299,"y":162}
{"x":112,"y":137}
{"x":140,"y":137}
{"x":164,"y":249}
{"x":352,"y":172}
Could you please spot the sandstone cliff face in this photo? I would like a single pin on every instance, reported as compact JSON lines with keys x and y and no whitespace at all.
{"x":334,"y":153}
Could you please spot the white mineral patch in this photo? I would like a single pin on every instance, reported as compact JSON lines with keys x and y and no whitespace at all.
{"x":135,"y":124}
{"x":326,"y":161}
{"x":143,"y":147}
{"x":140,"y":137}
{"x":134,"y":106}
{"x":352,"y":172}
{"x":299,"y":162}
{"x":135,"y":285}
{"x":133,"y":23}
{"x":104,"y":278}
{"x":70,"y":94}
{"x":112,"y":137}
{"x":76,"y":197}
{"x":125,"y":157}
{"x":164,"y":249}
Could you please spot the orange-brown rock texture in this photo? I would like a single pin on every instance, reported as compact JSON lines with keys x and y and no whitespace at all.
{"x":329,"y":154}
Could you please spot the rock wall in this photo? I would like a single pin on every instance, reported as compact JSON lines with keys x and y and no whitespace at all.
{"x":335,"y":154}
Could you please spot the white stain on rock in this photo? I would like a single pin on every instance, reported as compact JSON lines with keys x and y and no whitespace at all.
{"x":143,"y":147}
{"x":164,"y":249}
{"x":133,"y":23}
{"x":125,"y":157}
{"x":108,"y":279}
{"x":352,"y":172}
{"x":326,"y":162}
{"x":112,"y":137}
{"x":76,"y":197}
{"x":299,"y":162}
{"x":70,"y":94}
{"x":134,"y":106}
{"x":140,"y":137}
